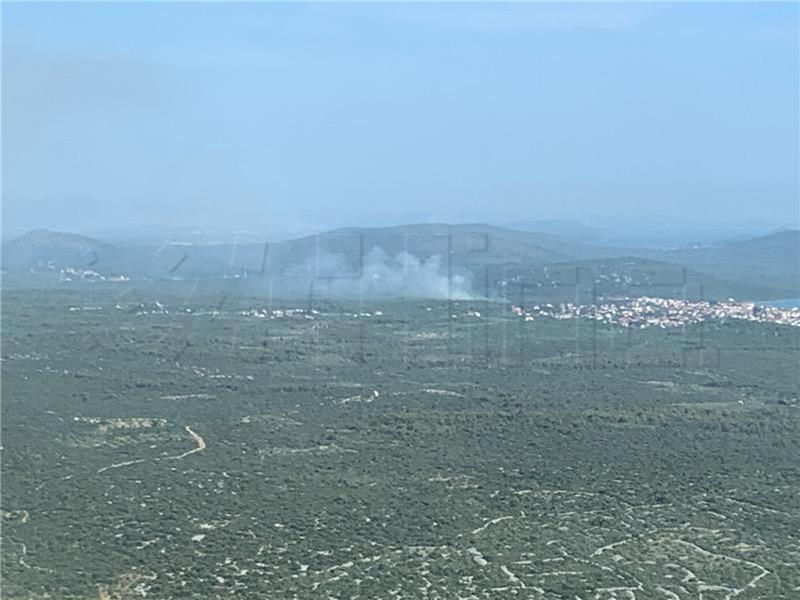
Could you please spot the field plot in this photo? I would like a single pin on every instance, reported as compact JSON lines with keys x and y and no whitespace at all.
{"x":203,"y":445}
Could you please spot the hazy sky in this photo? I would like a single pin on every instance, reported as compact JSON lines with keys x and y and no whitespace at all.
{"x":284,"y":116}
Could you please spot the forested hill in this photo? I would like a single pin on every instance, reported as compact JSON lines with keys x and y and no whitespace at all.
{"x":758,"y":268}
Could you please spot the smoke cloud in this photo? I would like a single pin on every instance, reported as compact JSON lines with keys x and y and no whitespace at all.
{"x":401,"y":275}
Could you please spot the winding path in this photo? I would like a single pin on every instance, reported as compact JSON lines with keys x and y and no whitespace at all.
{"x":201,"y":445}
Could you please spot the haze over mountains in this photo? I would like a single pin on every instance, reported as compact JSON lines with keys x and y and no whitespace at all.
{"x":641,"y":232}
{"x":417,"y":259}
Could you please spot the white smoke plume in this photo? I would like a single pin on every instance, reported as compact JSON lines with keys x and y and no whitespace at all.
{"x":402,"y":275}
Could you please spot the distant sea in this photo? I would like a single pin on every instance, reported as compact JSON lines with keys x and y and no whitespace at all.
{"x":785,"y":303}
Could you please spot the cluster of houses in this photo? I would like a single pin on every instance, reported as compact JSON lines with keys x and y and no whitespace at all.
{"x":640,"y":312}
{"x":74,"y":274}
{"x":648,"y":311}
{"x":265,"y":313}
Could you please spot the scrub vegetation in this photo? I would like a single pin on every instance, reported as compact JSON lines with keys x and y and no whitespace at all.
{"x":192,"y":443}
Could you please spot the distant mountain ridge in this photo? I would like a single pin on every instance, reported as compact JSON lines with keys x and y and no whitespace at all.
{"x":765,"y":265}
{"x":768,"y":260}
{"x":42,"y":248}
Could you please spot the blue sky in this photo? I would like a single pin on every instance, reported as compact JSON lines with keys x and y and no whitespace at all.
{"x":312,"y":115}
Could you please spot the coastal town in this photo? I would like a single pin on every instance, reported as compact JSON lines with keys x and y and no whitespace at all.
{"x":647,"y":311}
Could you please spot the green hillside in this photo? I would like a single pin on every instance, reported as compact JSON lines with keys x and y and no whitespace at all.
{"x":486,"y":258}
